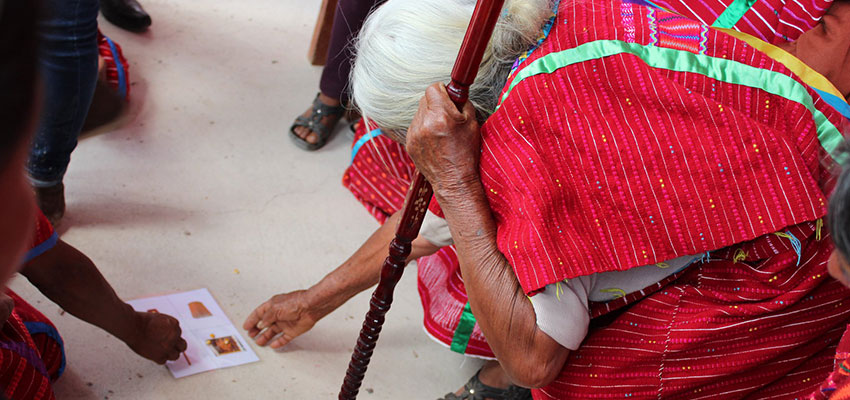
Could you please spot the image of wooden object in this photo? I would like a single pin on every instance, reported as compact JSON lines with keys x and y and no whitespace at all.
{"x":199,"y":310}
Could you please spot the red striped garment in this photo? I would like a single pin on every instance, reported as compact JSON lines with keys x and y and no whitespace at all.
{"x":759,"y":328}
{"x":774,"y":21}
{"x":647,"y":154}
{"x":660,"y":138}
{"x":31,"y":350}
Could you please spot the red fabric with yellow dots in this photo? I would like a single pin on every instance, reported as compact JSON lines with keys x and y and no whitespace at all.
{"x":763,"y":327}
{"x":612,"y":163}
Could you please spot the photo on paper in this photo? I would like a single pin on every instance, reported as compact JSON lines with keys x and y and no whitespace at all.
{"x":199,"y":310}
{"x":224,"y":345}
{"x":212,"y":340}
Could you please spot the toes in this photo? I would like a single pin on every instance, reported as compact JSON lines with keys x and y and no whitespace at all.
{"x":306,"y":134}
{"x":302,"y":132}
{"x":312,"y":138}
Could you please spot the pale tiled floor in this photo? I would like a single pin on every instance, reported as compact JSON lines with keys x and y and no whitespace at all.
{"x":200,"y":180}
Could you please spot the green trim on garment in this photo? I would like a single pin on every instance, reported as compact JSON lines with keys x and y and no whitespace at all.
{"x":730,"y":17}
{"x":719,"y":69}
{"x":463,"y":331}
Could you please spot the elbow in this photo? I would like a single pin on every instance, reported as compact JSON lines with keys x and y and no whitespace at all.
{"x":536,"y":377}
{"x":535,"y":372}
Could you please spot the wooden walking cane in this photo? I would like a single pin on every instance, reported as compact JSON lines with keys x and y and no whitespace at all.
{"x":418,"y":197}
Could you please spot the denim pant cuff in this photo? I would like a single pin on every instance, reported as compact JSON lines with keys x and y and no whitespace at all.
{"x":40,"y":183}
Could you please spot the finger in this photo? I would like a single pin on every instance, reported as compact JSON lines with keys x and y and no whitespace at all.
{"x":438,"y":96}
{"x":283,"y":340}
{"x":173,"y":355}
{"x":175,"y":326}
{"x":469,"y":111}
{"x":253,"y":332}
{"x":265,"y":336}
{"x":181,"y":345}
{"x":271,"y":317}
{"x":256,"y":316}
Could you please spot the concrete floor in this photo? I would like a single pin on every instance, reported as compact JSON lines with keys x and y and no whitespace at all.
{"x":200,"y":180}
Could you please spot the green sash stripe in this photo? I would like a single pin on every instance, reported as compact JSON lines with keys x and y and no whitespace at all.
{"x":719,"y":69}
{"x":463,"y":331}
{"x":730,"y":17}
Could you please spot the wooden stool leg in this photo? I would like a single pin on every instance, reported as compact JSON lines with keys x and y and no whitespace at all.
{"x":318,"y":53}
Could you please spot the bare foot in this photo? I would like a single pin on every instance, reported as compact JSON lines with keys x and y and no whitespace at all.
{"x":330,"y":120}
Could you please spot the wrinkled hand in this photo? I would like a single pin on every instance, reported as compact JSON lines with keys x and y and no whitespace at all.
{"x":286,"y":314}
{"x":158,"y":338}
{"x":7,"y":305}
{"x":443,"y":142}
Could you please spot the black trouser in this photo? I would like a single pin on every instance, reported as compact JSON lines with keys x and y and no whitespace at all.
{"x":348,"y":18}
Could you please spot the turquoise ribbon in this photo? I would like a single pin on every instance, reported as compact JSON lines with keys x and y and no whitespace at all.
{"x":732,"y":14}
{"x":363,"y":139}
{"x":719,"y":69}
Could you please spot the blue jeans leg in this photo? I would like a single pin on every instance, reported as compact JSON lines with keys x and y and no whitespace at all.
{"x":68,"y":63}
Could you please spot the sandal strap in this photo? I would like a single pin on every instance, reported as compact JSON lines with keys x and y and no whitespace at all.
{"x":314,"y":123}
{"x":324,"y":109}
{"x":474,"y":389}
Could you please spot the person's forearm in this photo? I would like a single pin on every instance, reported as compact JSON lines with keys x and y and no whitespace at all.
{"x":362,"y":270}
{"x":71,"y":280}
{"x":505,"y":315}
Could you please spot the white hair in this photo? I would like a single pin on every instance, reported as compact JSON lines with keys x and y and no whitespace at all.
{"x":407,"y":45}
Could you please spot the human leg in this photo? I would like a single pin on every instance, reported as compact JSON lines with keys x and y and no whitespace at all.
{"x":348,"y":19}
{"x":68,"y":61}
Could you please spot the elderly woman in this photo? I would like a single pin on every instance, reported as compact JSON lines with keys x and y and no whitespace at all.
{"x":631,"y":146}
{"x":654,"y":186}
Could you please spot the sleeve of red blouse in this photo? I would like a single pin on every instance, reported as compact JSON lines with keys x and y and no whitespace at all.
{"x":43,"y":239}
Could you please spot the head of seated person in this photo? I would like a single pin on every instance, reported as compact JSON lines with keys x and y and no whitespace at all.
{"x":826,"y":47}
{"x":17,"y":99}
{"x":839,"y":225}
{"x":407,"y":45}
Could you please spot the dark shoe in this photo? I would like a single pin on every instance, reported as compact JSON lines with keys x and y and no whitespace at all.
{"x":314,"y":122}
{"x":127,"y":14}
{"x":476,"y":390}
{"x":51,"y":201}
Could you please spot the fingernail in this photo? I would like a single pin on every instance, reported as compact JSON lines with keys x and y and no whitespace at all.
{"x":261,"y":325}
